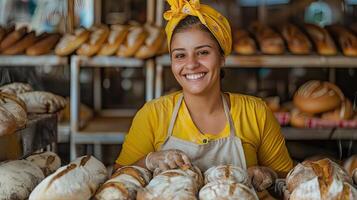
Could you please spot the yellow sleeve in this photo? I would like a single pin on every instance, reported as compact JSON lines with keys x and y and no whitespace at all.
{"x":140,"y":139}
{"x":272,"y":151}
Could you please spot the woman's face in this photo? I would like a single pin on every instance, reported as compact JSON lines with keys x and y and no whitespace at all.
{"x":196,"y":61}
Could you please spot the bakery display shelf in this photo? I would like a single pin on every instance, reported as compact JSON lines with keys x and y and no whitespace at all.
{"x":280,"y":61}
{"x":291,"y":133}
{"x":40,"y":133}
{"x":107,"y":61}
{"x":24,"y":60}
{"x":103,"y":130}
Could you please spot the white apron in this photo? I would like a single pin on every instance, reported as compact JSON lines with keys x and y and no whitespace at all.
{"x":222,"y":151}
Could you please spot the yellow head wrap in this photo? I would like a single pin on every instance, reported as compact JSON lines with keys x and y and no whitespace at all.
{"x":213,"y":20}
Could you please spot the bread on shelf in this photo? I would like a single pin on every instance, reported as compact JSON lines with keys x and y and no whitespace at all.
{"x":12,"y":38}
{"x":47,"y":161}
{"x":20,"y":46}
{"x":300,"y":119}
{"x":134,"y":40}
{"x":343,"y":112}
{"x":322,"y":39}
{"x":7,"y":122}
{"x":152,"y":43}
{"x":43,"y":45}
{"x":297,"y":41}
{"x":347,"y":40}
{"x":16,"y":107}
{"x":116,"y":37}
{"x":98,"y":36}
{"x":16,"y":88}
{"x":71,"y":42}
{"x":42,"y":102}
{"x":243,"y":43}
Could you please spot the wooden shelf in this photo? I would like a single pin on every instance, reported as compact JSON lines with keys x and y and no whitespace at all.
{"x":280,"y":61}
{"x":108,"y":61}
{"x":29,"y":61}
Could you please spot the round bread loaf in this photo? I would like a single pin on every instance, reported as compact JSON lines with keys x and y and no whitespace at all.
{"x":343,"y":112}
{"x":318,"y":97}
{"x":48,"y":161}
{"x":299,"y":119}
{"x":224,"y":190}
{"x":227,"y":173}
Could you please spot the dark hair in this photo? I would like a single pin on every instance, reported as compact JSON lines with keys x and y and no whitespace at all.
{"x":193,"y":21}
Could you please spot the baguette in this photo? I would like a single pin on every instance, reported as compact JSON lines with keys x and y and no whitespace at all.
{"x":269,"y":41}
{"x":244,"y":44}
{"x":152,"y":43}
{"x":44,"y":45}
{"x":116,"y":37}
{"x":97,"y":38}
{"x":5,"y":30}
{"x":136,"y":37}
{"x":20,"y":46}
{"x":322,"y":39}
{"x":346,"y":39}
{"x":297,"y":41}
{"x":70,"y":42}
{"x":12,"y":38}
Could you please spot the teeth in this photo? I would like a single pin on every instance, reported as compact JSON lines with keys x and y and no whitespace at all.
{"x":194,"y":76}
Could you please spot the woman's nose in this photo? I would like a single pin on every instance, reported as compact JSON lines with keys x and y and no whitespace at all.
{"x":192,"y":62}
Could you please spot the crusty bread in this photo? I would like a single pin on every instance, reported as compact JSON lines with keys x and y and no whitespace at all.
{"x":78,"y":180}
{"x":12,"y":38}
{"x":42,"y":102}
{"x":270,"y":42}
{"x":243,"y":43}
{"x":70,"y":42}
{"x":346,"y":39}
{"x":299,"y":119}
{"x":223,"y":190}
{"x":18,"y":179}
{"x":7,"y":122}
{"x":343,"y":112}
{"x":16,"y":88}
{"x":228,"y":173}
{"x":317,"y":97}
{"x":116,"y":37}
{"x":16,"y":107}
{"x":152,"y":43}
{"x":97,"y":37}
{"x":44,"y":45}
{"x":350,"y":164}
{"x":135,"y":38}
{"x":297,"y":41}
{"x":322,"y":39}
{"x":47,"y":161}
{"x":21,"y":45}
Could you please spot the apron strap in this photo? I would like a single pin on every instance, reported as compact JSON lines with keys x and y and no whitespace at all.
{"x":232,"y":131}
{"x":173,"y":118}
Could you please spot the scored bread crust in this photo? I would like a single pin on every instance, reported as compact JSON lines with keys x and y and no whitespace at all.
{"x":322,"y":39}
{"x":135,"y":38}
{"x":116,"y":37}
{"x":297,"y":41}
{"x":70,"y":42}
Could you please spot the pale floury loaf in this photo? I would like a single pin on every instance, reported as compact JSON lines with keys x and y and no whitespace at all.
{"x":76,"y":181}
{"x":225,"y":190}
{"x":48,"y":161}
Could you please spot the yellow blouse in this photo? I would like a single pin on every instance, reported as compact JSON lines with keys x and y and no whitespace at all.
{"x":254,"y":123}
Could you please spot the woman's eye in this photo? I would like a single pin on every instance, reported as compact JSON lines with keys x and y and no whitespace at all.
{"x":179,"y":55}
{"x":204,"y":52}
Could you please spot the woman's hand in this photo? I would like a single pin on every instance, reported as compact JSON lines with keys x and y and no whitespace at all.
{"x":261,"y":177}
{"x":167,"y":159}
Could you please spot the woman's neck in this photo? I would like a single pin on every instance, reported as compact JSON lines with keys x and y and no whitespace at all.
{"x":209,"y":103}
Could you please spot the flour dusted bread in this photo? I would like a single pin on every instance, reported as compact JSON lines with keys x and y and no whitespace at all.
{"x":322,"y":179}
{"x":228,"y":173}
{"x":243,"y":43}
{"x":97,"y":38}
{"x":322,"y":39}
{"x":124,"y":184}
{"x":317,"y":97}
{"x":270,"y":42}
{"x":16,"y":88}
{"x":12,"y":38}
{"x":43,"y":45}
{"x":18,"y":179}
{"x":297,"y":41}
{"x":135,"y":38}
{"x":7,"y":122}
{"x":16,"y":107}
{"x":152,"y":43}
{"x":47,"y":161}
{"x":70,"y":42}
{"x":76,"y":181}
{"x":116,"y":37}
{"x":42,"y":102}
{"x":224,"y":190}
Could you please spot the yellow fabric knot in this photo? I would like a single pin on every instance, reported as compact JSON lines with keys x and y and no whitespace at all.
{"x":213,"y":20}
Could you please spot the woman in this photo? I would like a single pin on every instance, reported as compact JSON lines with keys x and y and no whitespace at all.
{"x":200,"y":124}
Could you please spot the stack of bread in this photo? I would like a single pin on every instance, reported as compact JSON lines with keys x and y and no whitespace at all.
{"x":20,"y":177}
{"x":227,"y":182}
{"x":77,"y":180}
{"x":124,"y":184}
{"x":322,"y":179}
{"x":178,"y":184}
{"x":319,"y":99}
{"x":350,"y":165}
{"x":20,"y":41}
{"x":122,"y":40}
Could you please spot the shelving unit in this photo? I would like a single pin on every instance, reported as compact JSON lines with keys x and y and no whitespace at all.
{"x":30,"y":61}
{"x":108,"y":126}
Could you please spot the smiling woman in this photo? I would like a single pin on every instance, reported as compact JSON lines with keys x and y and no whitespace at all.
{"x":202,"y":125}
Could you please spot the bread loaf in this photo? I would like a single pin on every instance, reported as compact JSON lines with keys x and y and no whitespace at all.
{"x":2,"y":33}
{"x":322,"y":39}
{"x":152,"y":43}
{"x":97,"y":38}
{"x":18,"y":179}
{"x":42,"y":102}
{"x":47,"y":161}
{"x":7,"y":122}
{"x":269,"y":41}
{"x":321,"y":179}
{"x":171,"y":184}
{"x":346,"y":39}
{"x":12,"y":38}
{"x":135,"y":38}
{"x":317,"y":97}
{"x":78,"y":180}
{"x":343,"y":112}
{"x":243,"y":43}
{"x":16,"y":107}
{"x":350,"y":164}
{"x":224,"y":190}
{"x":297,"y":41}
{"x":227,"y":173}
{"x":16,"y":88}
{"x":124,"y":184}
{"x":116,"y":37}
{"x":300,"y":119}
{"x":21,"y":45}
{"x":70,"y":42}
{"x":44,"y":45}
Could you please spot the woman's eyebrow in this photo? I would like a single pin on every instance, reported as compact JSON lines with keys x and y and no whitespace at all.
{"x":178,"y":49}
{"x":202,"y":46}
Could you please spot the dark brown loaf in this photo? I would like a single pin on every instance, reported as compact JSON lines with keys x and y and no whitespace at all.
{"x":5,"y":31}
{"x":318,"y":97}
{"x":297,"y":41}
{"x":346,"y":39}
{"x":244,"y":44}
{"x":20,"y":46}
{"x":43,"y":46}
{"x":12,"y":38}
{"x":270,"y":41}
{"x":322,"y":39}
